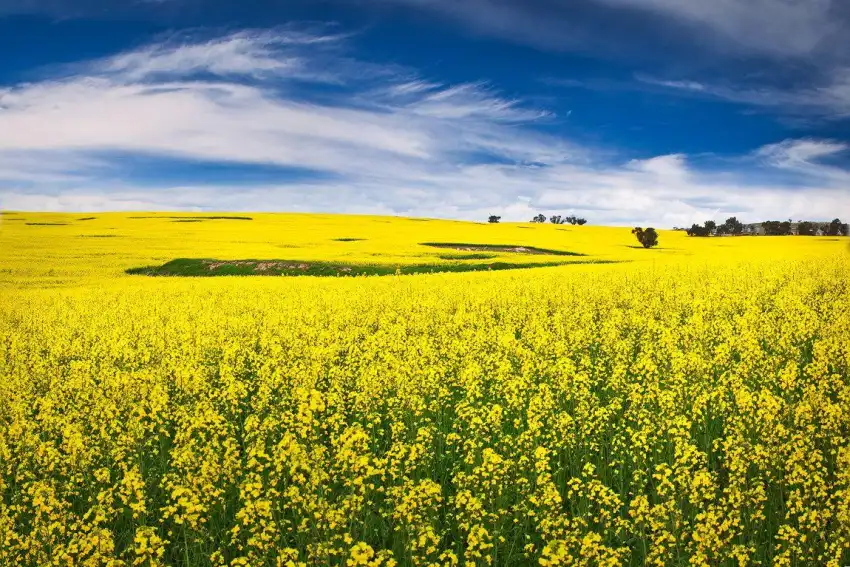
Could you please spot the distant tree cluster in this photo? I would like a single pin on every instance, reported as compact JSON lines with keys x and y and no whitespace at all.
{"x":836,"y":228}
{"x":707,"y":229}
{"x":647,"y":237}
{"x":807,"y":228}
{"x":493,"y":219}
{"x":734,"y":227}
{"x":833,"y":228}
{"x":558,"y":219}
{"x":777,"y":228}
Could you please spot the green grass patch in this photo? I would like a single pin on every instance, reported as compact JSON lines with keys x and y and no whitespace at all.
{"x":509,"y":248}
{"x":86,"y":218}
{"x":206,"y":267}
{"x":47,"y":224}
{"x":99,"y":235}
{"x":348,"y":239}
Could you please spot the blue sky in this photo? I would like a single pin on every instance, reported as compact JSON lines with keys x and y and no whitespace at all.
{"x":662,"y":112}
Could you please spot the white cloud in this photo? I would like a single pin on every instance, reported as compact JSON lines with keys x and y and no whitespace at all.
{"x":249,"y":54}
{"x":684,"y":85}
{"x":828,"y":100}
{"x":138,"y":101}
{"x":386,"y":141}
{"x":799,"y":153}
{"x":638,"y":193}
{"x":470,"y":100}
{"x":284,"y":52}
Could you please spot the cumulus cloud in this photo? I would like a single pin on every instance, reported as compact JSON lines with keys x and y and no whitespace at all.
{"x":381,"y":140}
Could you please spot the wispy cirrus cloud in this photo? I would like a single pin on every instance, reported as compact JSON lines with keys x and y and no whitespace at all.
{"x":789,"y":58}
{"x":371,"y":138}
{"x":830,"y":99}
{"x":244,"y":53}
{"x":191,"y":100}
{"x":777,"y":28}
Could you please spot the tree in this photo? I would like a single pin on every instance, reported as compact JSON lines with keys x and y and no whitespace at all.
{"x":710,"y":226}
{"x":697,"y":230}
{"x":771,"y":228}
{"x":638,"y":232}
{"x":731,"y":226}
{"x":776,"y":228}
{"x":493,"y":219}
{"x":807,"y":228}
{"x":539,"y":218}
{"x":648,"y":237}
{"x":572,"y":219}
{"x":836,"y":228}
{"x":556,"y":219}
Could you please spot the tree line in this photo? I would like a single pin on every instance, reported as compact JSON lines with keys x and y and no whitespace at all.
{"x":734,"y":227}
{"x":554,"y":219}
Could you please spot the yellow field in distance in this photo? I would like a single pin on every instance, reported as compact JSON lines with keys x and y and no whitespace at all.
{"x":58,"y":249}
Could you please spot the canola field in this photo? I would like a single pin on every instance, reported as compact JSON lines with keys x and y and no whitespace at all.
{"x":681,"y":406}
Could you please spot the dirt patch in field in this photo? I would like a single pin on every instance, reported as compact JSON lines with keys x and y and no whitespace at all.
{"x":466,"y":256}
{"x":257,"y":266}
{"x":509,"y":248}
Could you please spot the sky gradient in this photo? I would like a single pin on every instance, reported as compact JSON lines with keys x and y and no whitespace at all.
{"x":661,"y":112}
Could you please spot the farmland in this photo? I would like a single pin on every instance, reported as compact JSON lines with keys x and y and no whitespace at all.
{"x":598,"y":404}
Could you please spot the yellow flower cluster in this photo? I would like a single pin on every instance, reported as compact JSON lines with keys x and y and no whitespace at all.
{"x":692,"y":409}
